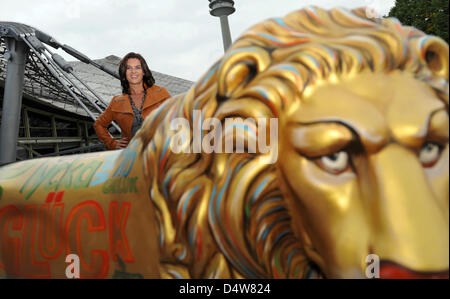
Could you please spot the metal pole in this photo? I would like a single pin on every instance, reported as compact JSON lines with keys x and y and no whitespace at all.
{"x":57,"y":76}
{"x":222,"y":9}
{"x":38,"y":48}
{"x":12,"y":99}
{"x":57,"y":66}
{"x":89,"y":88}
{"x":226,"y":35}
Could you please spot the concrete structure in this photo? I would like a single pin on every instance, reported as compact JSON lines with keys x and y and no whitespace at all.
{"x":222,"y":9}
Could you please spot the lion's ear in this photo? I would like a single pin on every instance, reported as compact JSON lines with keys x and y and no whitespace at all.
{"x":238,"y":68}
{"x":436,"y":56}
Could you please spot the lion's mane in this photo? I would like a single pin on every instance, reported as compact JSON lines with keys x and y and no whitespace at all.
{"x":224,"y":215}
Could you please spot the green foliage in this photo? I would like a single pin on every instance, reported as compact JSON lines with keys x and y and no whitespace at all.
{"x":430,"y":16}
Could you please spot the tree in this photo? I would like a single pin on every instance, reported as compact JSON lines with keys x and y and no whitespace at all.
{"x":430,"y":16}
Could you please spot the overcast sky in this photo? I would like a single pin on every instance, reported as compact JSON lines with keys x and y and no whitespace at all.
{"x":176,"y":37}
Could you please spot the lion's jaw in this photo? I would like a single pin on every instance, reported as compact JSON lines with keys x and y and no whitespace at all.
{"x":386,"y":198}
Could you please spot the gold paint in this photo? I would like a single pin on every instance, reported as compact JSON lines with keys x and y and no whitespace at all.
{"x":337,"y":81}
{"x":320,"y":139}
{"x":438,"y":128}
{"x":410,"y":227}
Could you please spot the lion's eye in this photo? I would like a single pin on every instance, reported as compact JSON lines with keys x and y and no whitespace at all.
{"x":429,"y":154}
{"x":335,"y":163}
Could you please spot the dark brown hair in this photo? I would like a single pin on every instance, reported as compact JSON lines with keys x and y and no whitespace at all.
{"x":148,"y":76}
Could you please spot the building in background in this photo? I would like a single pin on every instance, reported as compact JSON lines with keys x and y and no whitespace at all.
{"x":51,"y":122}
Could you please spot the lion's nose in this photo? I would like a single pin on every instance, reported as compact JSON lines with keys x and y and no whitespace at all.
{"x":410,"y":228}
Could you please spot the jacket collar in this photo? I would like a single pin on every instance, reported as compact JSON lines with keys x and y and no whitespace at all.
{"x":122,"y":104}
{"x":154,"y":95}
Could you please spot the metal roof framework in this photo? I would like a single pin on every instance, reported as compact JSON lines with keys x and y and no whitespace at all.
{"x":33,"y":68}
{"x":47,"y":74}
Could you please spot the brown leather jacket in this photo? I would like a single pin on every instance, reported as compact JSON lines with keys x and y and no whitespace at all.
{"x":120,"y":111}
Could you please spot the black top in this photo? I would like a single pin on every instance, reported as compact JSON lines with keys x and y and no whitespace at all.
{"x":138,"y":119}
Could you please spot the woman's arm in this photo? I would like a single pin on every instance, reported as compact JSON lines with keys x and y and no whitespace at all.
{"x":101,"y":128}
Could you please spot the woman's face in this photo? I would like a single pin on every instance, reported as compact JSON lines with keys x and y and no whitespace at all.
{"x":135,"y":73}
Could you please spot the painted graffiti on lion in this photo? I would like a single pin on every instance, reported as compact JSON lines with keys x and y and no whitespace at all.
{"x":362,"y":168}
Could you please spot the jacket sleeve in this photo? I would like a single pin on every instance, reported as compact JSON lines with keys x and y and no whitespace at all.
{"x":101,"y":128}
{"x":166,"y":95}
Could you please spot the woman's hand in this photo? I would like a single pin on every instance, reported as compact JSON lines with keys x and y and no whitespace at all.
{"x":122,"y":143}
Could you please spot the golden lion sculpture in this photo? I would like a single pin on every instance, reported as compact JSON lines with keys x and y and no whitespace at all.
{"x":362,"y":172}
